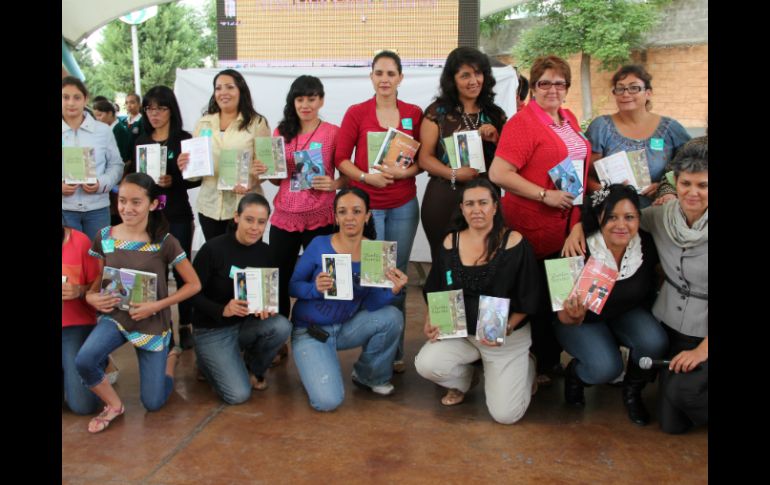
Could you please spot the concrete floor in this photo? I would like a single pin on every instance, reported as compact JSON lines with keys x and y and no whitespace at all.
{"x":409,"y":437}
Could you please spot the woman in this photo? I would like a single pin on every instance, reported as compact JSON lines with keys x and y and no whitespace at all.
{"x":86,"y":207}
{"x":680,"y":230}
{"x":233,"y":124}
{"x":635,"y":127}
{"x":393,"y":191}
{"x":321,"y":326}
{"x":162,"y":124}
{"x":465,"y":102}
{"x":611,"y":221}
{"x":481,"y":256}
{"x":223,"y":325}
{"x":535,"y":140}
{"x":301,"y":216}
{"x":79,"y":270}
{"x":141,"y":242}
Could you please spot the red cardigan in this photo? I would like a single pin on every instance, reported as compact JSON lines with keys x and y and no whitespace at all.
{"x":358,"y":121}
{"x":528,"y":143}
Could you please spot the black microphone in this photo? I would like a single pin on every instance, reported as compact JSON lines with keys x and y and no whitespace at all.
{"x":648,"y":363}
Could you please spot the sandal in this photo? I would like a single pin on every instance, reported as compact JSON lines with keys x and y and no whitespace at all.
{"x":453,"y":397}
{"x":105,"y":418}
{"x":282,"y":353}
{"x":258,"y":384}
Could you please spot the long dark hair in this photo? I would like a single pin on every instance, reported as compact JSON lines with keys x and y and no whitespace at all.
{"x":593,"y":219}
{"x":157,"y":225}
{"x":245,"y":106}
{"x":449,"y":97}
{"x":163,"y":96}
{"x":495,"y":236}
{"x":369,"y":231}
{"x":302,"y":86}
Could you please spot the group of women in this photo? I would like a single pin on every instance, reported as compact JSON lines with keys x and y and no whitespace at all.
{"x":480,"y":243}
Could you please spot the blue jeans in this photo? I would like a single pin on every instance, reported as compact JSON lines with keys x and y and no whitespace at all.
{"x":79,"y":398}
{"x":89,"y":222}
{"x":319,"y":368}
{"x":595,"y":345}
{"x":154,"y":385}
{"x":218,"y":352}
{"x":400,"y":225}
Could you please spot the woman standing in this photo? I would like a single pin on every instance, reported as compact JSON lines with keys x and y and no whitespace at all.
{"x":393,"y":192}
{"x":232,"y":123}
{"x":301,"y":216}
{"x":465,"y":102}
{"x":635,"y":127}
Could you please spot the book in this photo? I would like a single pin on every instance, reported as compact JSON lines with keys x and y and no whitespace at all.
{"x":670,"y":178}
{"x":142,"y":286}
{"x":562,"y":273}
{"x":579,"y":166}
{"x":374,"y":140}
{"x":201,"y":158}
{"x":308,"y":164}
{"x":565,"y":177}
{"x":594,"y":284}
{"x":469,"y":149}
{"x":112,"y":284}
{"x":377,"y":257}
{"x":401,"y":151}
{"x":340,"y":268}
{"x":493,"y":319}
{"x":78,"y":165}
{"x":272,"y":152}
{"x":617,"y":168}
{"x":259,"y":287}
{"x":234,"y":168}
{"x":63,"y":279}
{"x":151,"y":159}
{"x":449,"y":149}
{"x":447,"y":312}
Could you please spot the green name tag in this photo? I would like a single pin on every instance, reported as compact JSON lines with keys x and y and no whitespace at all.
{"x":233,"y":269}
{"x":449,"y":277}
{"x":108,"y":245}
{"x":406,"y":123}
{"x":657,"y":144}
{"x":315,"y":145}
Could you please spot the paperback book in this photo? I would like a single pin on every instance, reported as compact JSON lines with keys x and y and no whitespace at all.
{"x":566,"y":178}
{"x":374,"y":140}
{"x":142,"y":286}
{"x":78,"y":165}
{"x":594,"y":284}
{"x":151,"y":159}
{"x":259,"y":287}
{"x":469,"y":150}
{"x":271,"y":151}
{"x":493,"y":319}
{"x":233,"y":169}
{"x":620,"y":167}
{"x":377,"y":257}
{"x":562,"y":274}
{"x":201,"y":159}
{"x":308,"y":164}
{"x":340,"y":268}
{"x":447,"y":312}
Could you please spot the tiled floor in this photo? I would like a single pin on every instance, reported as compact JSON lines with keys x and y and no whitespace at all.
{"x":409,"y":437}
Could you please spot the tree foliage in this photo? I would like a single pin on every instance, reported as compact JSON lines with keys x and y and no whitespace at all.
{"x":605,"y":29}
{"x":95,"y":82}
{"x":493,"y":23}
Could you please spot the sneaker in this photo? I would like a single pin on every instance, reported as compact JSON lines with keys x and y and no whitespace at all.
{"x":385,"y":389}
{"x":112,"y":371}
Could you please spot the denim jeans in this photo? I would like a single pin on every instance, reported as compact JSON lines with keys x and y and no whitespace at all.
{"x":218,"y":352}
{"x":79,"y":398}
{"x":596,"y":345}
{"x":89,"y":222}
{"x":319,"y":368}
{"x":400,"y":225}
{"x":183,"y":232}
{"x":154,"y":385}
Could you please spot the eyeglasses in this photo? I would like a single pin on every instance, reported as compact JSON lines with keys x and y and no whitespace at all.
{"x":546,"y":85}
{"x":159,"y":109}
{"x":632,"y":89}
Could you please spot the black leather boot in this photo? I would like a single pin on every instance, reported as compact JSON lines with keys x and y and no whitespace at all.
{"x":185,"y":337}
{"x":573,"y":386}
{"x":632,"y":398}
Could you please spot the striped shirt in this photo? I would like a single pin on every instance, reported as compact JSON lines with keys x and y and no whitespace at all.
{"x":576,"y":147}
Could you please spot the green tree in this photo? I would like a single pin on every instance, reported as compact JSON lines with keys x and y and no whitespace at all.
{"x":605,"y":29}
{"x":95,"y":82}
{"x":209,"y":47}
{"x":493,"y":23}
{"x":168,"y":41}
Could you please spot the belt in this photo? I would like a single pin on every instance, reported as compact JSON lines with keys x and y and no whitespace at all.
{"x":682,"y":291}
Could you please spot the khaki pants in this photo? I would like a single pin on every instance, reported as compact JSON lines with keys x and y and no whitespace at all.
{"x":509,"y":371}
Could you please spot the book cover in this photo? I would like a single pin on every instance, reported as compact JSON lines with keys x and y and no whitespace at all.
{"x":594,"y":284}
{"x":150,"y":159}
{"x":493,"y":319}
{"x":469,"y":150}
{"x":201,"y":158}
{"x":401,"y":151}
{"x":141,"y":286}
{"x":390,"y":136}
{"x":565,"y":177}
{"x":579,"y":169}
{"x":562,"y":274}
{"x":640,"y":168}
{"x":269,"y":287}
{"x":78,"y":165}
{"x":617,"y":168}
{"x":447,"y":312}
{"x":451,"y":154}
{"x":670,"y":178}
{"x":340,"y":268}
{"x":377,"y":257}
{"x":112,"y":284}
{"x":233,"y":169}
{"x":374,"y":140}
{"x":246,"y":288}
{"x":272,"y":152}
{"x":308,"y":164}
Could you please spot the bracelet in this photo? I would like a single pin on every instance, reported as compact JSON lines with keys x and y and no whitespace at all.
{"x":454,"y":178}
{"x":542,"y":195}
{"x":362,"y":178}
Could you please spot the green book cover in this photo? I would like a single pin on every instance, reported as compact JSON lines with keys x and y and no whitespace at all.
{"x":374,"y":141}
{"x":447,"y":312}
{"x":228,"y":169}
{"x":670,"y":178}
{"x":263,"y":147}
{"x":562,"y":274}
{"x":78,"y":165}
{"x":376,"y":258}
{"x":451,"y":153}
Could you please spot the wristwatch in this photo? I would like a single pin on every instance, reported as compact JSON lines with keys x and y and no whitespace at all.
{"x":542,"y":195}
{"x":362,"y":178}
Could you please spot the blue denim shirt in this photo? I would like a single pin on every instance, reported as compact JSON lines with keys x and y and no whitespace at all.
{"x":109,"y":165}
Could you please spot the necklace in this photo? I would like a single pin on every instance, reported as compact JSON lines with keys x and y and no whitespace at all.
{"x":296,"y":140}
{"x":469,"y":123}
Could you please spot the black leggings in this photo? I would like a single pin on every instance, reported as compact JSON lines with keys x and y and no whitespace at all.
{"x":683,"y":399}
{"x":211,"y":227}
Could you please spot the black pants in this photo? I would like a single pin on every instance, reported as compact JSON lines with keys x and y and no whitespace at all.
{"x":438,"y":205}
{"x":544,"y":344}
{"x":212,"y":227}
{"x":683,"y":399}
{"x":285,"y":246}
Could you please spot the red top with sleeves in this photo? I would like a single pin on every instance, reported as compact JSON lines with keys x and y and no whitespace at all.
{"x":358,"y":121}
{"x":80,"y":269}
{"x":531,"y":145}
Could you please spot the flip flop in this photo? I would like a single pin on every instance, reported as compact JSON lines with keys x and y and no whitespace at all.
{"x":453,"y":397}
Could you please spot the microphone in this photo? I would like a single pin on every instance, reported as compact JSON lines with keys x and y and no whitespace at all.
{"x":648,"y":363}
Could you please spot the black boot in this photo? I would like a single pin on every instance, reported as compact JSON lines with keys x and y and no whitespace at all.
{"x":185,"y":337}
{"x":633,"y":383}
{"x":573,"y":386}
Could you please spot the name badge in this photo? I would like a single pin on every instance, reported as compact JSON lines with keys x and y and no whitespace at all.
{"x":406,"y":123}
{"x":233,"y":269}
{"x":170,"y":155}
{"x":657,"y":144}
{"x":315,"y":145}
{"x":449,"y":277}
{"x":108,"y":245}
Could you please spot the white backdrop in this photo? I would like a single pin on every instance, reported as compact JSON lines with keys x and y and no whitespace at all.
{"x":343,"y":87}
